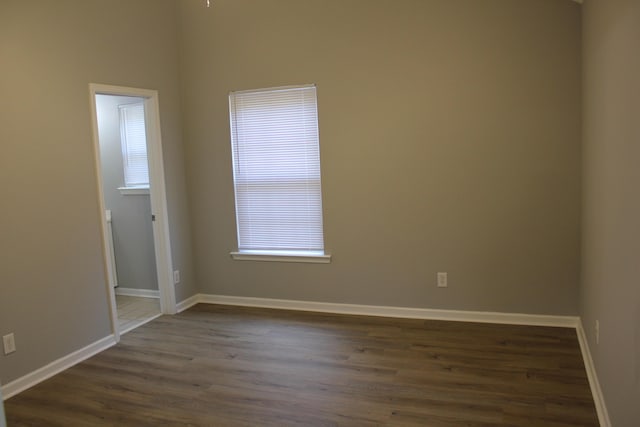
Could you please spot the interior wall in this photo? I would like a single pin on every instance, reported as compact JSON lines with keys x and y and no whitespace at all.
{"x":54,"y":290}
{"x":610,"y":292}
{"x":449,"y":139}
{"x":131,"y":214}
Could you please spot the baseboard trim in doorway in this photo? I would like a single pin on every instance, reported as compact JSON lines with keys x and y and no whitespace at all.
{"x":55,"y":367}
{"x":132,"y":292}
{"x":387,"y":311}
{"x":596,"y":391}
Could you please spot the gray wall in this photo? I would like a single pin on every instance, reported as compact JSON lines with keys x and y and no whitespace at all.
{"x":54,"y":292}
{"x":610,"y":289}
{"x":449,"y":138}
{"x":131,"y":214}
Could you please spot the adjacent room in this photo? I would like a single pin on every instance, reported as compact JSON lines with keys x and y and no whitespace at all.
{"x":356,"y":212}
{"x":125,"y":191}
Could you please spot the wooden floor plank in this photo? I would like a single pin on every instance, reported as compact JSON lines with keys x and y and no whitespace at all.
{"x":229,"y":366}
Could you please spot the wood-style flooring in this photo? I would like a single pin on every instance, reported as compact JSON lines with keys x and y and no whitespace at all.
{"x":229,"y":366}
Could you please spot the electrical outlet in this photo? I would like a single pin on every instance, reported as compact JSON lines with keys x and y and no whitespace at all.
{"x":597,"y":332}
{"x":176,"y":277}
{"x":9,"y":342}
{"x":442,"y":280}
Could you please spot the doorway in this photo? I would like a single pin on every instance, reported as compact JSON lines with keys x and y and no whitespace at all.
{"x":133,"y":204}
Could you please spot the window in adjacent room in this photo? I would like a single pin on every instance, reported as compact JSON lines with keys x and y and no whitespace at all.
{"x":134,"y":146}
{"x":276,"y":171}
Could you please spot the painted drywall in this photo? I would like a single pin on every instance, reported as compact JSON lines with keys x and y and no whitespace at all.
{"x":131,"y":214}
{"x":610,"y":289}
{"x":54,"y":290}
{"x":449,"y":139}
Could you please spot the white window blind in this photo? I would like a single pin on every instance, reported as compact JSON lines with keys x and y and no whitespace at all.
{"x":276,"y":167}
{"x":134,"y":145}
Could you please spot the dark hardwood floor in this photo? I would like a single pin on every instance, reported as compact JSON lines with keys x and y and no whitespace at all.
{"x":229,"y":366}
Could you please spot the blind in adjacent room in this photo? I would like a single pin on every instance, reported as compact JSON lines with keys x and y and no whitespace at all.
{"x":276,"y":166}
{"x":134,"y":145}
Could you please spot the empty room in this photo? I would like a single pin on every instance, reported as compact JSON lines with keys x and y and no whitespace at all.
{"x":349,"y":213}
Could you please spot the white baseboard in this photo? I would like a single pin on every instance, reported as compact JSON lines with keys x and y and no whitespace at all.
{"x":132,"y":292}
{"x":55,"y":367}
{"x":3,"y":421}
{"x":387,"y":311}
{"x":188,"y":303}
{"x":596,"y":391}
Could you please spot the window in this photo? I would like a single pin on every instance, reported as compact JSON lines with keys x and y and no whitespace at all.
{"x":134,"y":145}
{"x":276,"y":171}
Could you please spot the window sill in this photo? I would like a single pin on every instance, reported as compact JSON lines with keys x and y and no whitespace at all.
{"x":134,"y":191}
{"x":312,"y":259}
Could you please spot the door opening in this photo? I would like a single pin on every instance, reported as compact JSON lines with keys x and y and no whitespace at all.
{"x":132,"y":194}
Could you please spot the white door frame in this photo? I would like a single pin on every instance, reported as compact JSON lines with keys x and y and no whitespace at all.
{"x":157,"y":190}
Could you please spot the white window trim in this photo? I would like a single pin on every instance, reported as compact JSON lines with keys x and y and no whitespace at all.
{"x":296,"y":256}
{"x":140,"y":190}
{"x":311,"y":259}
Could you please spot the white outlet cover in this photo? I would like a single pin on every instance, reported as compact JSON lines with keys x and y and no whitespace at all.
{"x":442,"y":280}
{"x":9,"y":343}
